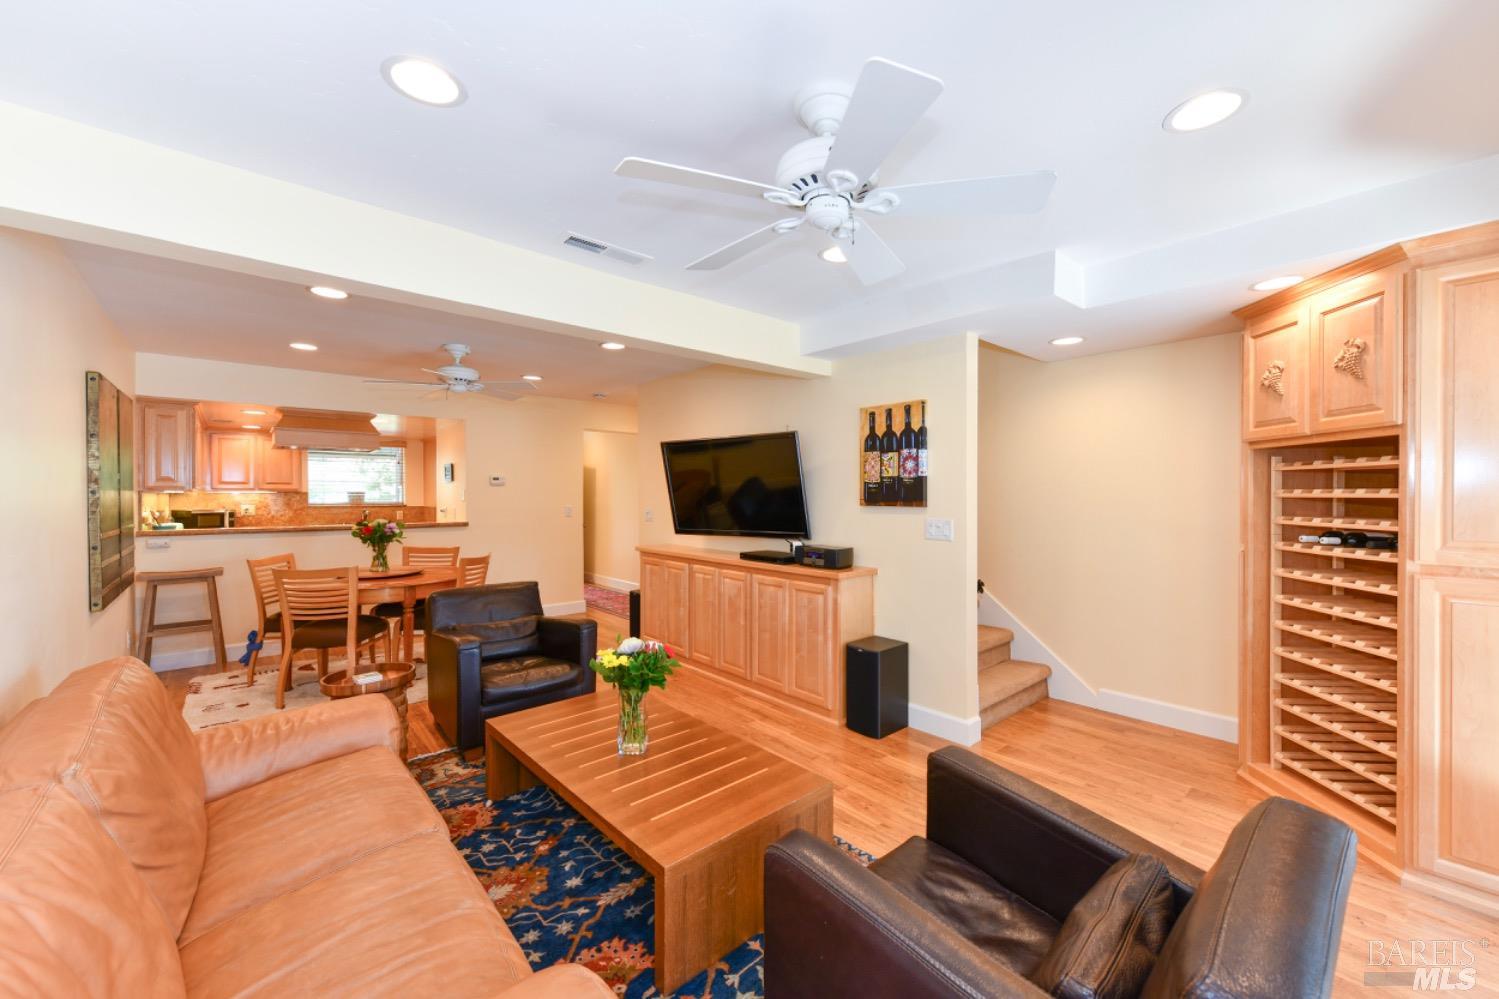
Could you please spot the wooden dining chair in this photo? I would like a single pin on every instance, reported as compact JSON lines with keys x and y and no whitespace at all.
{"x":414,"y":556}
{"x":320,"y":610}
{"x":263,"y":582}
{"x":472,"y":571}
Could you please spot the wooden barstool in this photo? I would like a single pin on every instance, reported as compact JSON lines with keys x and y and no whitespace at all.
{"x":150,"y":627}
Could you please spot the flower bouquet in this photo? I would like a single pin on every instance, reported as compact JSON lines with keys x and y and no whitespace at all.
{"x":378,"y":534}
{"x":633,"y":667}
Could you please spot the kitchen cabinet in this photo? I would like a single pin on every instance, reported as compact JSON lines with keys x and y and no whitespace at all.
{"x":167,"y":443}
{"x":1275,"y":369}
{"x":1355,"y":350}
{"x":232,"y":460}
{"x":280,"y":469}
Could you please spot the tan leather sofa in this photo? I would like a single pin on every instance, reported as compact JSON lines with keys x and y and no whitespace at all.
{"x":288,"y":855}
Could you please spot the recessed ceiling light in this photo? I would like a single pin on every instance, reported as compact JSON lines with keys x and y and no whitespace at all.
{"x":302,"y":346}
{"x":834,"y":255}
{"x":423,"y":81}
{"x":611,"y":345}
{"x":532,"y":378}
{"x":1066,"y":341}
{"x":1204,"y":110}
{"x":252,"y":412}
{"x":250,"y":426}
{"x":323,"y":291}
{"x":1276,"y":283}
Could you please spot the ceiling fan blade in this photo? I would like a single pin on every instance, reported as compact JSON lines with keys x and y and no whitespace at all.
{"x":670,"y":173}
{"x":742,"y":246}
{"x":887,"y":101}
{"x":496,"y":393}
{"x":401,"y":381}
{"x":869,"y":258}
{"x":517,"y":382}
{"x":1018,"y":194}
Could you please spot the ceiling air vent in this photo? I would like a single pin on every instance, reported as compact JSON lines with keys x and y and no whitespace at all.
{"x":604,"y":249}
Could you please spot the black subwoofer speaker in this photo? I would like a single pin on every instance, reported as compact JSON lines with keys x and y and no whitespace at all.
{"x":876,"y":685}
{"x":635,"y":613}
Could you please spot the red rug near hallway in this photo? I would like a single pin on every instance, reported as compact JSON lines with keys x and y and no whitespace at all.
{"x":601,"y":598}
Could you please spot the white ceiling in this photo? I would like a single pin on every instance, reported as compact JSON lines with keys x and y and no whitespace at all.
{"x":1346,"y":96}
{"x":167,"y":307}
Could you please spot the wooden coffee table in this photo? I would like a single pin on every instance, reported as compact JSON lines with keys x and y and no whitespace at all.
{"x":697,"y":811}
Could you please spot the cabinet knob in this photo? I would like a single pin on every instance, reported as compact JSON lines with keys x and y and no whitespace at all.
{"x":1350,"y":359}
{"x":1272,"y":379}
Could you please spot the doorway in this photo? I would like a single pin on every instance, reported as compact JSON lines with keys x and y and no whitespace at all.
{"x":611,"y":530}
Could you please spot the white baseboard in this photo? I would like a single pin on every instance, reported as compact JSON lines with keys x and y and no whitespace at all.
{"x":963,"y":731}
{"x":623,"y":585}
{"x":566,"y":607}
{"x":1067,"y":685}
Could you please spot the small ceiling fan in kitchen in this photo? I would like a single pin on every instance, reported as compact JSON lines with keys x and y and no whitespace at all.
{"x":831,"y":180}
{"x":459,"y":377}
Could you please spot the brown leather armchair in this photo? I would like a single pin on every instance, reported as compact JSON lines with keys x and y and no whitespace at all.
{"x":972,"y":908}
{"x":491,"y":650}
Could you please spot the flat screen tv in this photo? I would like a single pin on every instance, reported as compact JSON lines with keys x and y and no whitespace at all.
{"x":749,"y":486}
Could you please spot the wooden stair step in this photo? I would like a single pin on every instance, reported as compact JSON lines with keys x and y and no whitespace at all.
{"x":1009,"y":686}
{"x":991,"y":637}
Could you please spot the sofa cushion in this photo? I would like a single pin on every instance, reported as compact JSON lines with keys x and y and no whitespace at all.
{"x":981,"y":910}
{"x":523,"y":676}
{"x":75,"y":916}
{"x":110,"y":735}
{"x":407,"y":920}
{"x":1109,"y":941}
{"x":277,"y":836}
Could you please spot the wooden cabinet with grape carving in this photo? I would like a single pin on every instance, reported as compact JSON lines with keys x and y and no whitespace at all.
{"x":1355,"y":347}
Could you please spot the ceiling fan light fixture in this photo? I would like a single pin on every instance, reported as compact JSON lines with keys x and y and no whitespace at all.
{"x":1067,"y":341}
{"x":424,"y":81}
{"x":328,"y":292}
{"x":834,"y":255}
{"x":1277,"y":283}
{"x":299,"y":345}
{"x":1204,"y":110}
{"x":611,"y":345}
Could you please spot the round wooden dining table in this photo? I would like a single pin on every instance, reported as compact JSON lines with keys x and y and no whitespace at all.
{"x":406,"y":588}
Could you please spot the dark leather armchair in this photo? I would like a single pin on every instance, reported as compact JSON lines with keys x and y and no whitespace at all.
{"x":972,"y":908}
{"x":491,"y":650}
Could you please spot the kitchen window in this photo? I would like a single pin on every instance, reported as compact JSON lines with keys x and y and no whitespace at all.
{"x":356,"y":477}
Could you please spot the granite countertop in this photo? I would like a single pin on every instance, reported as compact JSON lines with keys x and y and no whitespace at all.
{"x":285,"y":529}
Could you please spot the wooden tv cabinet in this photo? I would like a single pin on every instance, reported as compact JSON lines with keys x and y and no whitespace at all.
{"x":775,"y":630}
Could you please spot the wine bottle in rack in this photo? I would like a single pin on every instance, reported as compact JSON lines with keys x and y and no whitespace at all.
{"x":921,"y":458}
{"x":871,"y":464}
{"x":909,"y":463}
{"x":889,"y":461}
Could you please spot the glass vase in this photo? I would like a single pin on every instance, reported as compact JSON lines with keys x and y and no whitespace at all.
{"x":632,"y":734}
{"x":379,"y":562}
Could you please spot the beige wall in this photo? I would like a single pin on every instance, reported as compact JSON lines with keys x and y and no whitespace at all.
{"x":924,"y":592}
{"x":535,"y":444}
{"x":1109,"y":509}
{"x":611,"y":509}
{"x":451,"y":498}
{"x":51,"y":332}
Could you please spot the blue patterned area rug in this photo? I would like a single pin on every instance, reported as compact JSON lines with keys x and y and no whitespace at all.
{"x":565,"y":890}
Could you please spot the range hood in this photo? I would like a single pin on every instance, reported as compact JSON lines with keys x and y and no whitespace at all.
{"x":325,"y":430}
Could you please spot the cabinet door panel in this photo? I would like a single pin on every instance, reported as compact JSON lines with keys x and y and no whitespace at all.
{"x":166,"y":448}
{"x":702,"y":625}
{"x":1275,"y":384}
{"x":231,"y":461}
{"x":811,"y":657}
{"x":653,"y":597}
{"x":1458,"y":373}
{"x":769,"y":601}
{"x":733,"y":622}
{"x":1458,"y":741}
{"x":279,"y":468}
{"x":677,"y":633}
{"x":1356,"y":346}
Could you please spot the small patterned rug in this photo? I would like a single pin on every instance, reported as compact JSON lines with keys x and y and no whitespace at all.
{"x":565,"y":890}
{"x":220,"y":698}
{"x":601,"y":598}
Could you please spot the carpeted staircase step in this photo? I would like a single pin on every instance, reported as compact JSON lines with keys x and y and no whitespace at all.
{"x":1007,"y":687}
{"x":994,"y":645}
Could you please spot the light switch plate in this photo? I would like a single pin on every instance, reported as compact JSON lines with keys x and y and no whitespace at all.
{"x":567,"y":511}
{"x":938,"y":529}
{"x":649,"y":516}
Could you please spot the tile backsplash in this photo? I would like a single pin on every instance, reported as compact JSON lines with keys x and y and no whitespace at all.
{"x":281,"y":509}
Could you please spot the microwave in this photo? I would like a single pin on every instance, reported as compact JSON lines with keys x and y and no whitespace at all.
{"x":201,"y":519}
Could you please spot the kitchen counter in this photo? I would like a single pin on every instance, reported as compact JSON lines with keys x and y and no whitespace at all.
{"x":286,"y":529}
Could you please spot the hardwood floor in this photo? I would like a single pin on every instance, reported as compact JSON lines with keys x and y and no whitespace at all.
{"x":1176,"y":789}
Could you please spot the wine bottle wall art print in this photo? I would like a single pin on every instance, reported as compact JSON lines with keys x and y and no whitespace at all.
{"x":893,"y":454}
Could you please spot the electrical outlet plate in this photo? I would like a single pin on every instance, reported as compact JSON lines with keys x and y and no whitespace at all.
{"x":156,"y":543}
{"x":497,"y":480}
{"x":938,"y":529}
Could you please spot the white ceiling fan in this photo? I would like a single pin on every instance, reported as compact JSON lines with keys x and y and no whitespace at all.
{"x":831,"y":180}
{"x":458,"y":377}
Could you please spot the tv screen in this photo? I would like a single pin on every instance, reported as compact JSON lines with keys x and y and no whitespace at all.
{"x":737,"y":485}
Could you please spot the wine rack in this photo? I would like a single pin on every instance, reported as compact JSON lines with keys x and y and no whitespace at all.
{"x":1334,"y":622}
